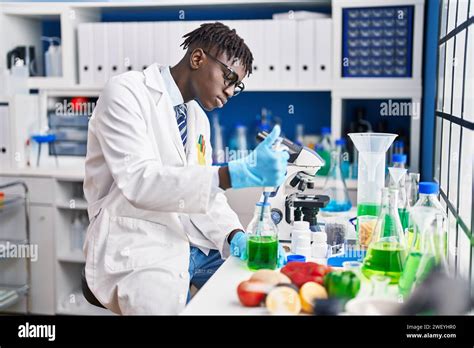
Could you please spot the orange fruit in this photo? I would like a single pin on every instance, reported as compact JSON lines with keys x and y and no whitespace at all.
{"x":310,"y":292}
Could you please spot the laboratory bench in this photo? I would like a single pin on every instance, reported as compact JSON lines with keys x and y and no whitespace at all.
{"x":219,"y":295}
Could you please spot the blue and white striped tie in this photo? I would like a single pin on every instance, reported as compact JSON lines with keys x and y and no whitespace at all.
{"x":181,"y":114}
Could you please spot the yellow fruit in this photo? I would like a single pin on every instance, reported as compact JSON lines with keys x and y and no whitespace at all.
{"x":310,"y":292}
{"x":270,"y":277}
{"x":283,"y":300}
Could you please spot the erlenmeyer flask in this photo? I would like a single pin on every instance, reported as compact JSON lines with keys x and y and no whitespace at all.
{"x":387,"y":249}
{"x":411,"y":188}
{"x":397,"y":180}
{"x":335,"y":186}
{"x":421,"y":262}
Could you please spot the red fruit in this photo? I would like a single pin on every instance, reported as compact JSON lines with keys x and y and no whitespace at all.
{"x":251,"y":292}
{"x":303,"y":272}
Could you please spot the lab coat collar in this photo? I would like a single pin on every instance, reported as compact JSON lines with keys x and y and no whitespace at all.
{"x":171,"y":86}
{"x":153,"y":78}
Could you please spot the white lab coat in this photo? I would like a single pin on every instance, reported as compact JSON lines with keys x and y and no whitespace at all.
{"x":139,"y":185}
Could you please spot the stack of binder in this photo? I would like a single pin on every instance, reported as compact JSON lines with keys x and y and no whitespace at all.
{"x":287,"y":53}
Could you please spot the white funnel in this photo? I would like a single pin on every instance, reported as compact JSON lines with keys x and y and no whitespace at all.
{"x":397,"y":174}
{"x":371,"y":175}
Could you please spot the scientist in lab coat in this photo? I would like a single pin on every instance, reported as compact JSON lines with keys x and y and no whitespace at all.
{"x":159,"y":220}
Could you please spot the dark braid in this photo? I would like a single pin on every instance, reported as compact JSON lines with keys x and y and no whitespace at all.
{"x":218,"y":35}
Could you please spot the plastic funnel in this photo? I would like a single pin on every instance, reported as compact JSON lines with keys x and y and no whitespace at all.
{"x":396,"y":174}
{"x":371,"y":172}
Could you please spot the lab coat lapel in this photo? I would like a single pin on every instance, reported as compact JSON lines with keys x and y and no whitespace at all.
{"x":167,"y":113}
{"x":191,"y":152}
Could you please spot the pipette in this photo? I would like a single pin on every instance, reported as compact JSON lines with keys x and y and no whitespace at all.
{"x":268,"y":190}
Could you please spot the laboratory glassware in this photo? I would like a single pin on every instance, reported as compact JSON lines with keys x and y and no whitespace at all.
{"x":262,"y":242}
{"x":411,"y":188}
{"x":428,"y":192}
{"x":371,"y":169}
{"x":396,"y":180}
{"x":345,"y":165}
{"x":325,"y":150}
{"x":387,"y":249}
{"x":335,"y":186}
{"x":53,"y":56}
{"x":420,"y":263}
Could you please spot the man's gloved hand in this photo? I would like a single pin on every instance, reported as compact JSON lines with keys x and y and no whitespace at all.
{"x":238,"y":248}
{"x":263,"y":167}
{"x":238,"y":245}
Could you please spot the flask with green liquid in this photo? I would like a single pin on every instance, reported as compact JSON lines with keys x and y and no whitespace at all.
{"x":386,"y":253}
{"x":420,"y":263}
{"x":262,"y":242}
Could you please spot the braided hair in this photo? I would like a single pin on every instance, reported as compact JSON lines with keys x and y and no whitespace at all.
{"x":218,"y":35}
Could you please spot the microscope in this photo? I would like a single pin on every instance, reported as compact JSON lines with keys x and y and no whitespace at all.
{"x":296,"y":198}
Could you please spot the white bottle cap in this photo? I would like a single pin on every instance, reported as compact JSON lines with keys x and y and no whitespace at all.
{"x":301,"y":225}
{"x":320,"y":237}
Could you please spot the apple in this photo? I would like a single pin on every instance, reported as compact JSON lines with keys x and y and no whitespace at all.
{"x":252,"y":292}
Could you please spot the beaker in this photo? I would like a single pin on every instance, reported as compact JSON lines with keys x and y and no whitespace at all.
{"x":262,"y":242}
{"x":371,"y":169}
{"x":387,"y":249}
{"x":335,"y":186}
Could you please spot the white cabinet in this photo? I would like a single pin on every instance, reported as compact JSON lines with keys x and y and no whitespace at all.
{"x":42,"y":270}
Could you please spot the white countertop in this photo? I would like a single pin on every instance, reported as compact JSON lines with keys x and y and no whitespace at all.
{"x":219,"y":295}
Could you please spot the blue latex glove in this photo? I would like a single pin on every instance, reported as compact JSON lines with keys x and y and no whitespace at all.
{"x":238,"y":248}
{"x":263,"y":167}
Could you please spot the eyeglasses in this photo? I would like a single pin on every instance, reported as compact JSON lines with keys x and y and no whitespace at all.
{"x":230,"y":77}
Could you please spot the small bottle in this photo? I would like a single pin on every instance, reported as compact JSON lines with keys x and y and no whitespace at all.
{"x":303,"y":245}
{"x":319,"y":249}
{"x":300,"y":236}
{"x":53,"y":57}
{"x":19,"y":77}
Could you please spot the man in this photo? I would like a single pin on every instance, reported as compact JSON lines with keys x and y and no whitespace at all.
{"x":158,"y":217}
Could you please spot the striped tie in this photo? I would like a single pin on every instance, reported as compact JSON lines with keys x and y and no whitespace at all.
{"x":181,"y":114}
